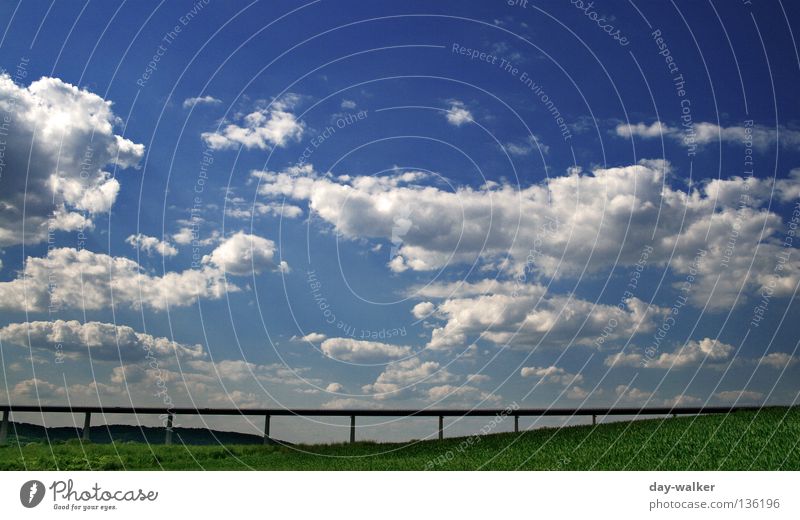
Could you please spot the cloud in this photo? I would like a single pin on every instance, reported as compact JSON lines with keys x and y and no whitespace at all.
{"x":691,"y":354}
{"x":312,"y":337}
{"x":81,"y":279}
{"x":552,"y":374}
{"x":85,"y":279}
{"x":522,"y":149}
{"x":622,"y":359}
{"x":788,"y":189}
{"x":334,"y":388}
{"x":423,"y":310}
{"x":204,"y":100}
{"x":62,"y":138}
{"x":466,"y":289}
{"x":348,"y":104}
{"x":238,"y":399}
{"x":228,"y":370}
{"x":237,"y":371}
{"x":243,"y":254}
{"x":578,"y":393}
{"x":566,"y":227}
{"x":643,"y":130}
{"x":348,"y":349}
{"x":778,"y":360}
{"x":737,"y":396}
{"x":400,"y":379}
{"x":139,"y":386}
{"x":243,"y":211}
{"x":264,"y":129}
{"x":461,"y":394}
{"x":189,"y":233}
{"x":220,"y":382}
{"x":683,"y":400}
{"x":533,"y":316}
{"x":632,"y":394}
{"x":344,"y":403}
{"x":762,"y":137}
{"x":457,"y":115}
{"x":151,"y":245}
{"x":103,"y":341}
{"x":478,"y":378}
{"x":36,"y":389}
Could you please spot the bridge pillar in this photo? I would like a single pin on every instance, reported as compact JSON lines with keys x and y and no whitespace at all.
{"x":168,"y":437}
{"x":87,"y":423}
{"x":516,"y":424}
{"x":441,"y":427}
{"x":352,"y":429}
{"x":594,"y":420}
{"x":266,"y":429}
{"x":4,"y":427}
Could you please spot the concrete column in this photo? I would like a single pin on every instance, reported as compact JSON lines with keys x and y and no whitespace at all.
{"x":168,"y":437}
{"x":516,"y":424}
{"x":87,"y":423}
{"x":266,"y":429}
{"x":352,"y":429}
{"x":441,"y":427}
{"x":594,"y":420}
{"x":4,"y":427}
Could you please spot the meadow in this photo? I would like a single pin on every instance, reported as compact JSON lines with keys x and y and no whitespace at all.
{"x":765,"y":440}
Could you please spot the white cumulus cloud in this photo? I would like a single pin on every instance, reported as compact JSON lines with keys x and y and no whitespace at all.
{"x":551,"y":374}
{"x":462,"y":394}
{"x":80,"y":279}
{"x":762,"y":137}
{"x":534,"y":315}
{"x":401,"y":379}
{"x":740,"y":396}
{"x":348,"y":349}
{"x":311,"y":337}
{"x":778,"y":360}
{"x":691,"y":354}
{"x":334,"y":388}
{"x":457,"y":114}
{"x":263,"y":129}
{"x":423,"y":310}
{"x":151,"y":245}
{"x":567,"y":226}
{"x":201,"y":100}
{"x":62,"y":141}
{"x":103,"y":341}
{"x":242,"y":254}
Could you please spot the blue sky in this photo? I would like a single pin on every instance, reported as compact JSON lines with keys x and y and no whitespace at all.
{"x":366,"y":204}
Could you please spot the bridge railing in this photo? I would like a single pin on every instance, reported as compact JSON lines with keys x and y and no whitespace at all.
{"x":268,"y":413}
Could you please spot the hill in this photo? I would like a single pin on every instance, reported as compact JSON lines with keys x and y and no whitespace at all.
{"x":764,"y":440}
{"x":33,"y":433}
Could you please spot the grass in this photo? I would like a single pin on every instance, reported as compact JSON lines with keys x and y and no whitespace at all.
{"x":764,"y":440}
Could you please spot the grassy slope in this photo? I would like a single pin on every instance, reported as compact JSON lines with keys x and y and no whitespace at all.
{"x":745,"y":440}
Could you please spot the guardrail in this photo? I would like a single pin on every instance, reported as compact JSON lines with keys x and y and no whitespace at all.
{"x":170,"y":413}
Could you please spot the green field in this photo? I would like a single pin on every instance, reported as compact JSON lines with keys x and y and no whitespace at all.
{"x":765,"y":440}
